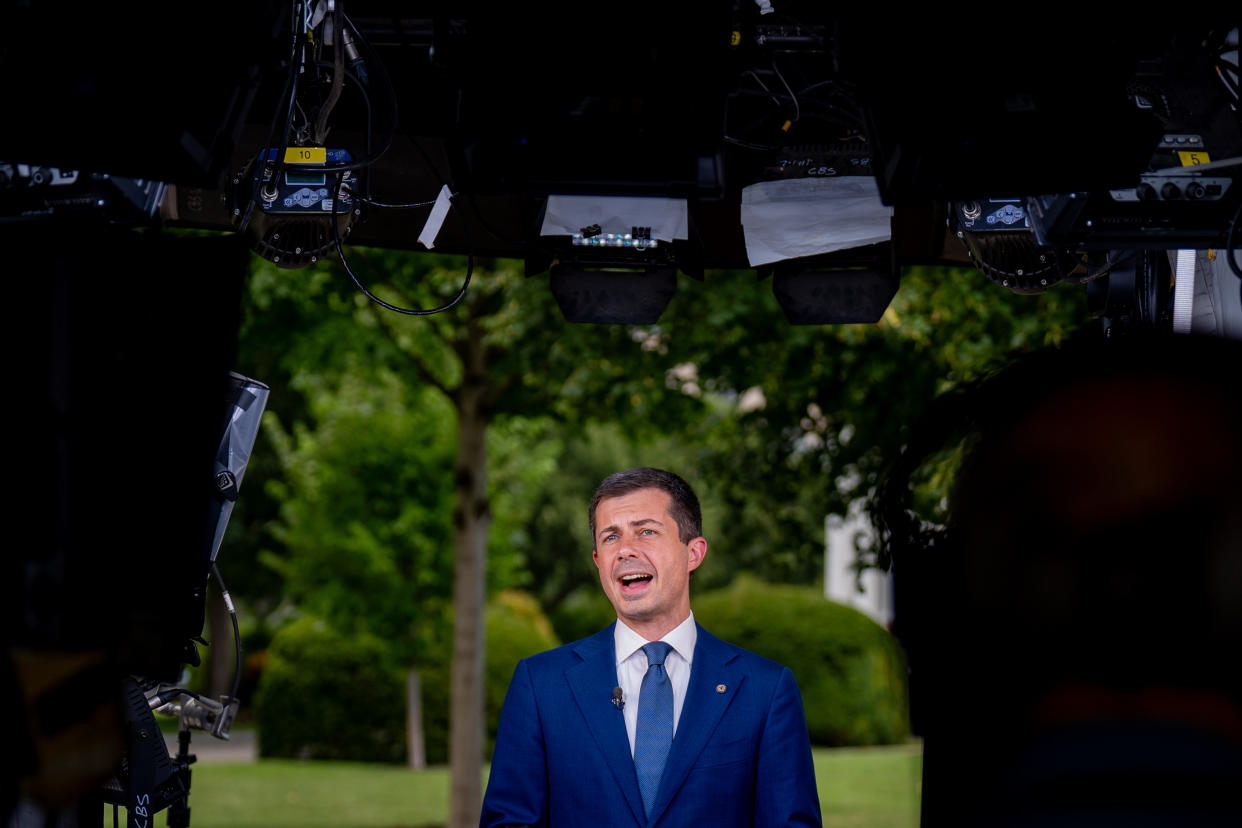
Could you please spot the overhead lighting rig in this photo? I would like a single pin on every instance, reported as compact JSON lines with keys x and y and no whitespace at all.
{"x":853,"y":286}
{"x":295,"y":212}
{"x":618,"y":278}
{"x":297,"y":198}
{"x":619,"y":264}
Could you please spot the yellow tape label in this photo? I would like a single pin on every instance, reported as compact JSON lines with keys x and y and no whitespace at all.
{"x":735,"y":38}
{"x":306,"y":155}
{"x":1192,"y":159}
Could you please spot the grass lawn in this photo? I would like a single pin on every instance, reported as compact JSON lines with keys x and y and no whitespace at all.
{"x":877,"y":787}
{"x":869,"y":787}
{"x":314,"y":794}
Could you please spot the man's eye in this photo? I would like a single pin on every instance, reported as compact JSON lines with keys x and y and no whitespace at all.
{"x":609,"y":537}
{"x":648,"y":532}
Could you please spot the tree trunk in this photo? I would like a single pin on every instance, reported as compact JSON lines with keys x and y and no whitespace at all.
{"x":415,"y":744}
{"x":471,"y":516}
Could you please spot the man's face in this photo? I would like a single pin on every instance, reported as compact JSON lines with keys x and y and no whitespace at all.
{"x":643,"y":566}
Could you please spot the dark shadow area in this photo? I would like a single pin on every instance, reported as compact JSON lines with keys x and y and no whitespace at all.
{"x":1074,"y":631}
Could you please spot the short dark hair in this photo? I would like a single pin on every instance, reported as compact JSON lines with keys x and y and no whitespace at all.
{"x":683,"y":506}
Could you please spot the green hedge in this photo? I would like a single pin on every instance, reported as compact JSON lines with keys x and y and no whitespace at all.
{"x":516,"y":628}
{"x":327,"y":696}
{"x":850,"y":670}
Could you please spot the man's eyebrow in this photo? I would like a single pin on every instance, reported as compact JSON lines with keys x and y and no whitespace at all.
{"x":640,"y":522}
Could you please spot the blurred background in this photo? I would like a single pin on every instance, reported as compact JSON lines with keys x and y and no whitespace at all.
{"x":340,"y":552}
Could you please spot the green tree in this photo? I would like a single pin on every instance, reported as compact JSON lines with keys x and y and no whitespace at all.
{"x":792,"y":423}
{"x":778,"y":425}
{"x":365,"y":502}
{"x":807,"y":418}
{"x":501,"y":363}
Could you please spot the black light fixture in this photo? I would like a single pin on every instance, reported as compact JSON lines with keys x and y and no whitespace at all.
{"x":619,"y":265}
{"x":851,"y":286}
{"x":615,"y":293}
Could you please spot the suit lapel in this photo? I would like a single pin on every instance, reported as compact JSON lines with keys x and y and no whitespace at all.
{"x":591,"y":682}
{"x":700,"y":714}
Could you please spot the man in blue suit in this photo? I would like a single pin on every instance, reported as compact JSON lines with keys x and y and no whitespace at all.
{"x":653,"y":721}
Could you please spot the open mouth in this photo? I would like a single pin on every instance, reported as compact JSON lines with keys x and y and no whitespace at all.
{"x":634,"y":582}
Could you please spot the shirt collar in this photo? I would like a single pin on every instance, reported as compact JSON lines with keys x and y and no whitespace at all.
{"x":682,"y":638}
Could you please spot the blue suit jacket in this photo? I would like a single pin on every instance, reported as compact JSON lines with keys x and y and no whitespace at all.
{"x":741,"y":756}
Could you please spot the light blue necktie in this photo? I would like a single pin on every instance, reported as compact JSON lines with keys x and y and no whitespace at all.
{"x":654,"y":733}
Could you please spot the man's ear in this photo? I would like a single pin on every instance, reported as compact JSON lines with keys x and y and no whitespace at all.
{"x":698,"y":551}
{"x":595,"y":557}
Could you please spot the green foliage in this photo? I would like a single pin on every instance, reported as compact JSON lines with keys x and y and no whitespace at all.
{"x":524,"y":458}
{"x":586,"y":612}
{"x":851,"y":672}
{"x":327,"y":696}
{"x":365,"y":515}
{"x":516,"y":628}
{"x":776,"y":426}
{"x":552,"y":541}
{"x":802,"y":421}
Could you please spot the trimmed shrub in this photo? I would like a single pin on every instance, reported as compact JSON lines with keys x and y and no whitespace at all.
{"x":850,"y":670}
{"x":516,"y":628}
{"x":327,"y":696}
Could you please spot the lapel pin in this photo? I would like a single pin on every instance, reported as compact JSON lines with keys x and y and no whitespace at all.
{"x":720,"y":688}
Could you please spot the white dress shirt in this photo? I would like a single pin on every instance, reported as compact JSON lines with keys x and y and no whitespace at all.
{"x":632,"y":666}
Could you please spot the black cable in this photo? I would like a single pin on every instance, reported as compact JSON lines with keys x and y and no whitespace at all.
{"x":290,"y":86}
{"x":834,"y":115}
{"x":1231,"y":239}
{"x":1111,"y":259}
{"x":366,"y":100}
{"x":846,"y":87}
{"x":371,"y":159}
{"x":293,"y":95}
{"x":1143,"y":280}
{"x":372,"y":203}
{"x":797,"y":108}
{"x":729,"y":139}
{"x":228,"y":603}
{"x":180,"y":691}
{"x":474,"y":204}
{"x":340,"y":252}
{"x":289,"y":91}
{"x":378,"y":66}
{"x":338,"y":76}
{"x":767,"y":92}
{"x":366,"y":199}
{"x":758,"y":94}
{"x":851,"y":113}
{"x":831,"y":112}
